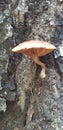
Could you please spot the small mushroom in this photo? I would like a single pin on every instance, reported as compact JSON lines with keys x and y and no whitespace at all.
{"x":35,"y":48}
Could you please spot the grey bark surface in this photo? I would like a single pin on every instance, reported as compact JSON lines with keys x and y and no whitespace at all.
{"x":28,"y":102}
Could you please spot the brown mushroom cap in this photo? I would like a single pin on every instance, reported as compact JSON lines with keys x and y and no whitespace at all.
{"x":34,"y":48}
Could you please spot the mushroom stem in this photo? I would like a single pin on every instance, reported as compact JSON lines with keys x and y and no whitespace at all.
{"x":37,"y":61}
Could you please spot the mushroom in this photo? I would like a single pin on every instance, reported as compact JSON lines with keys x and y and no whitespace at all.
{"x":35,"y":49}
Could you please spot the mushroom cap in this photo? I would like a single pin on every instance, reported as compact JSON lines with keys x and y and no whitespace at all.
{"x":34,"y":48}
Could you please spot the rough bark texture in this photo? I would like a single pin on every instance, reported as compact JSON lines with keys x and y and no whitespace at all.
{"x":26,"y":101}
